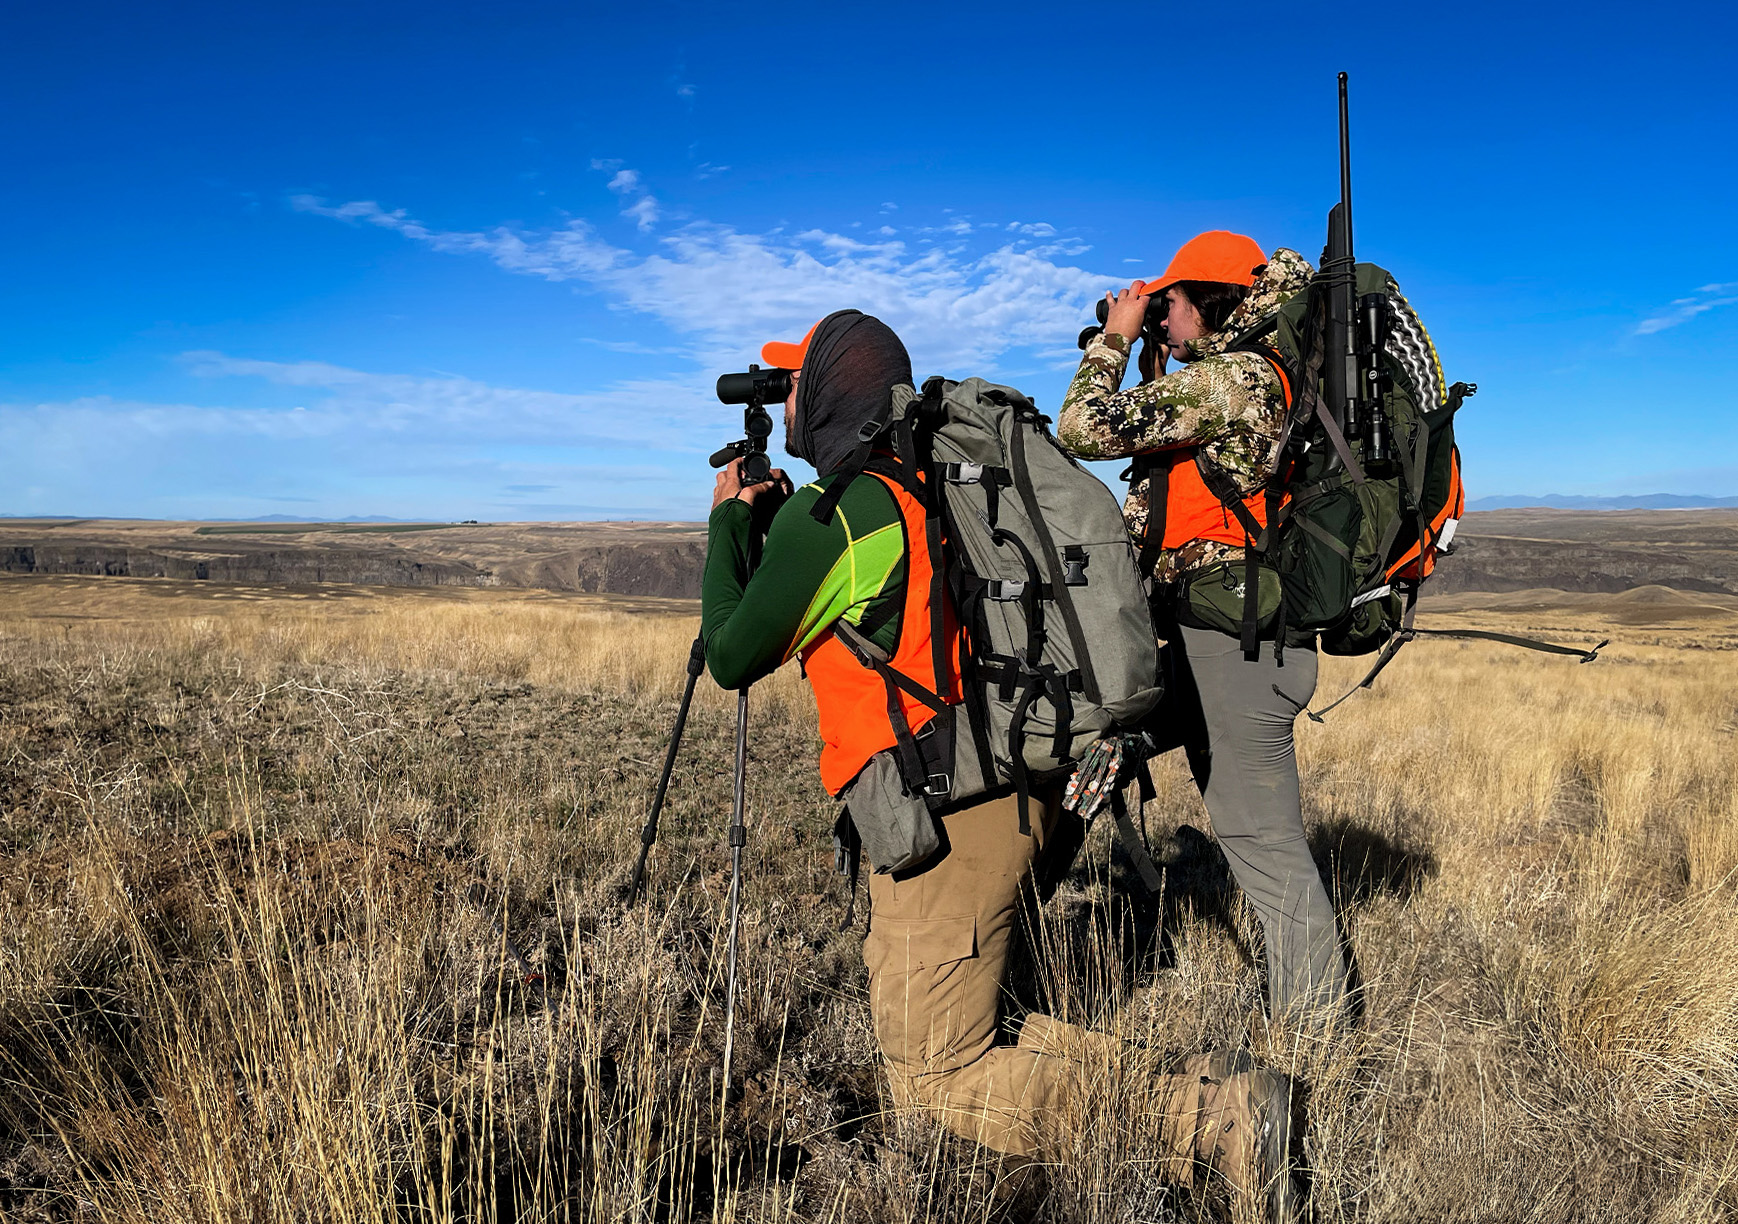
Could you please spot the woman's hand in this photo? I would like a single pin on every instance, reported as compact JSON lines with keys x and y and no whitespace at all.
{"x":1151,"y":362}
{"x":1128,"y":310}
{"x":729,"y":486}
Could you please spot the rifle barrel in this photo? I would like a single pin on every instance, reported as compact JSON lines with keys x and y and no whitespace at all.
{"x":1345,"y":167}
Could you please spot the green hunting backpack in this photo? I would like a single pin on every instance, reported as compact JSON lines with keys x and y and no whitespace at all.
{"x":1357,"y":521}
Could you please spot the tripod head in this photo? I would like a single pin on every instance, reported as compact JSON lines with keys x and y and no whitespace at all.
{"x":753,"y":390}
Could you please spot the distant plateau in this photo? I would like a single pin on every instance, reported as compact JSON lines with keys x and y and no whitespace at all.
{"x":1503,"y":550}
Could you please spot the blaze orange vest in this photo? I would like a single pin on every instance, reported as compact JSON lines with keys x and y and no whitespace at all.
{"x":852,"y":699}
{"x":1192,"y":512}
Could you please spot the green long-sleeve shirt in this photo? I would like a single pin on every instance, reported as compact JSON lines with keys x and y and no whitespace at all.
{"x":808,"y":577}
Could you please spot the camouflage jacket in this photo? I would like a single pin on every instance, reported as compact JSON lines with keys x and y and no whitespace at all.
{"x":1230,"y":405}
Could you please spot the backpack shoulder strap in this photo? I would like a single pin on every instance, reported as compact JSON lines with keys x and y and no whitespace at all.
{"x":847,"y":472}
{"x":1221,"y":486}
{"x":1158,"y":478}
{"x":867,"y":434}
{"x":1250,"y":342}
{"x":1260,"y":329}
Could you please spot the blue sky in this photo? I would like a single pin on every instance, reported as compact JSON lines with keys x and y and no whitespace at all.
{"x":485,"y":261}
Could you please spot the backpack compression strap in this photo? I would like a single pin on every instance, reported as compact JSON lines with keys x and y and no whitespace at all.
{"x":1105,"y":768}
{"x":1132,"y":841}
{"x":911,"y":767}
{"x":1307,"y":402}
{"x":1408,"y":631}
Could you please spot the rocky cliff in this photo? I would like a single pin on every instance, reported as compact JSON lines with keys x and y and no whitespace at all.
{"x":274,"y":565}
{"x":659,"y":559}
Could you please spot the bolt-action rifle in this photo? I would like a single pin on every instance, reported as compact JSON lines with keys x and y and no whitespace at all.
{"x":1340,"y":373}
{"x":1353,"y":376}
{"x":1355,"y":381}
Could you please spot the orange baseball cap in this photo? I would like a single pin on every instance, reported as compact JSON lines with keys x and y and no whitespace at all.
{"x":782,"y":355}
{"x":1217,"y":255}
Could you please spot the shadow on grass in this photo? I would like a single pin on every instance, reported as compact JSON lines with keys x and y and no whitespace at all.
{"x":1358,"y":865}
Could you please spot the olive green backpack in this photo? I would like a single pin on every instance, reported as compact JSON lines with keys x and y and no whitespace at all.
{"x":1358,"y":516}
{"x":1359,"y":513}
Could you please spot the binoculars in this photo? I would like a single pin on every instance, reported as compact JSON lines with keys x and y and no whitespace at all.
{"x":1154,"y":329}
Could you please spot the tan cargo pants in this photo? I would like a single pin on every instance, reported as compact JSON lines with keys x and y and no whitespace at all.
{"x":937,"y":954}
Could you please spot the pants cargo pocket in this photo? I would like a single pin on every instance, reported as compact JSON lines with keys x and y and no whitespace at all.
{"x":921,"y":972}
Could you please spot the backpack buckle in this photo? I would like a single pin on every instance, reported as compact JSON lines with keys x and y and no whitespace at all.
{"x":963,"y":473}
{"x":1006,"y":591}
{"x":938,"y":789}
{"x":1074,"y":561}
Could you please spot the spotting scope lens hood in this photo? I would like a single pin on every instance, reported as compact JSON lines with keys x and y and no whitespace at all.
{"x":755,"y":386}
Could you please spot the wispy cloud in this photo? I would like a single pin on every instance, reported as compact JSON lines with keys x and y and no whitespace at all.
{"x":1682,"y":310}
{"x":644,"y":211}
{"x":677,"y":80}
{"x":357,"y":441}
{"x":727,"y":290}
{"x":628,"y":414}
{"x":624,"y":182}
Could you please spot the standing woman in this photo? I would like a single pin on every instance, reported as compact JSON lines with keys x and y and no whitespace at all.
{"x":1227,"y":408}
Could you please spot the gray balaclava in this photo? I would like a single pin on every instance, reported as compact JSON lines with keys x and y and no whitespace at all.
{"x":852,"y":365}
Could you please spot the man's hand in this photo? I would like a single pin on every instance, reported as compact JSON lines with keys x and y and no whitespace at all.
{"x":729,"y":486}
{"x":1128,"y":310}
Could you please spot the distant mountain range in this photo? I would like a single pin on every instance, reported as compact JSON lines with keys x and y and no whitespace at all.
{"x":1563,"y":501}
{"x":1500,"y":501}
{"x":302,"y":518}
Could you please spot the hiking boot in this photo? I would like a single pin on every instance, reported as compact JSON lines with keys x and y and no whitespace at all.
{"x":1244,"y":1135}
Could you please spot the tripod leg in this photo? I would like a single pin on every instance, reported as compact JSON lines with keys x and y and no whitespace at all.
{"x":649,"y":834}
{"x":738,"y":838}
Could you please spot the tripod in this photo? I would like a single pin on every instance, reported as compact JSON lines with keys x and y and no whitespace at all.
{"x":756,"y":467}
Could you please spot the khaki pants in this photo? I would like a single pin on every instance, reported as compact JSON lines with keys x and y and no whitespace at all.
{"x":937,"y":954}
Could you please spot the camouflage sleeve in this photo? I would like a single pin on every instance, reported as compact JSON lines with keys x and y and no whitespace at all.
{"x":1217,"y":399}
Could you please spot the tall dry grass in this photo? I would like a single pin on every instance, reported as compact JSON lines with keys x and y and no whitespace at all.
{"x":262,"y":858}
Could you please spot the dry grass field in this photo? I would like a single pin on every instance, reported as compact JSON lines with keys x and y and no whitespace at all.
{"x":263,"y":850}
